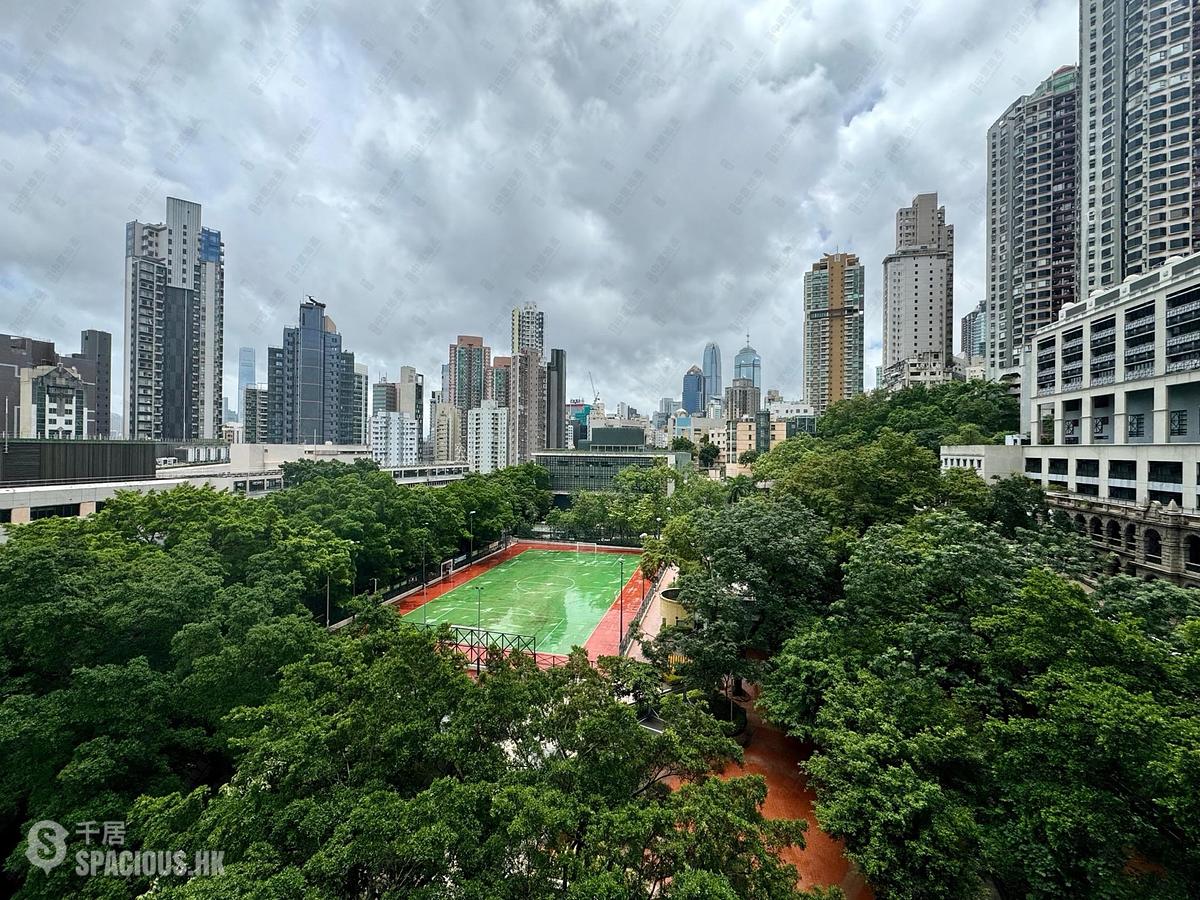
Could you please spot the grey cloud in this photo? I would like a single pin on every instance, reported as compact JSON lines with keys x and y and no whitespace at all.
{"x":654,"y":175}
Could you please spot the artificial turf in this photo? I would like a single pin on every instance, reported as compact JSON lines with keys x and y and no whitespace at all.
{"x":556,"y":596}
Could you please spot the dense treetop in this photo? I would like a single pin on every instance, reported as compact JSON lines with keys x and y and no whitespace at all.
{"x":989,"y":714}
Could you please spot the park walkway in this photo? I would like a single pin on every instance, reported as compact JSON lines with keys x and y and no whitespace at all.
{"x":776,"y":757}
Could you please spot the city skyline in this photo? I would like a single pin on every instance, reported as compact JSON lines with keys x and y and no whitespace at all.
{"x":647,"y":287}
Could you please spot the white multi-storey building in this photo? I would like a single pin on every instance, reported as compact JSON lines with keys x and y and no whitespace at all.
{"x":487,"y":437}
{"x":1139,"y":133}
{"x":394,"y":439}
{"x":918,"y":292}
{"x":1111,"y":397}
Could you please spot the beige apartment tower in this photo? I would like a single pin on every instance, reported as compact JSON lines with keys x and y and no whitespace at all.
{"x":833,"y":330}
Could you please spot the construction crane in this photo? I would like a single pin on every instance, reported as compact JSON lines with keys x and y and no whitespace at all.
{"x":595,"y":393}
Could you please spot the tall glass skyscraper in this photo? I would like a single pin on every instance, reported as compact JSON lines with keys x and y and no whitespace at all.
{"x":246,"y":374}
{"x":748,"y":364}
{"x":311,"y":382}
{"x":713,"y":385}
{"x":693,"y":391}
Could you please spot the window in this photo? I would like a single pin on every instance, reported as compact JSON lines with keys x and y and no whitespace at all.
{"x":1179,"y":422}
{"x":1137,"y":425}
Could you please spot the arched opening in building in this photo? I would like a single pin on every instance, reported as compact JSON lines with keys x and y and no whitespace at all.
{"x":1081,"y":523}
{"x":1113,"y":532}
{"x":1191,"y":552}
{"x":1153,"y":545}
{"x":1097,"y":528}
{"x":1130,"y":536}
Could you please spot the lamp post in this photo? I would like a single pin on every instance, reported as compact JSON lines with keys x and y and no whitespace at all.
{"x":471,"y":551}
{"x":657,"y":525}
{"x":478,"y":609}
{"x":644,"y":536}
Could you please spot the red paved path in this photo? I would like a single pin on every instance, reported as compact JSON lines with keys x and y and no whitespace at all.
{"x":777,"y":757}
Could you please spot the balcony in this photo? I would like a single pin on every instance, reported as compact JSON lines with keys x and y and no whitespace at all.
{"x":1139,"y":326}
{"x":1191,"y":361}
{"x":1101,"y":337}
{"x":1184,"y":313}
{"x":1142,"y":371}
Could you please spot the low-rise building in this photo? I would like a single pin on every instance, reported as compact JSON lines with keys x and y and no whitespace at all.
{"x":594,"y":470}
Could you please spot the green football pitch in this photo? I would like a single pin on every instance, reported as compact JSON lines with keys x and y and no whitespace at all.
{"x":557,"y":596}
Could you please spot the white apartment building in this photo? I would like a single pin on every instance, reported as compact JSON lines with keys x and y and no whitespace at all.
{"x":918,"y":289}
{"x":1111,"y":397}
{"x":394,"y":439}
{"x":487,"y":437}
{"x":1138,"y":136}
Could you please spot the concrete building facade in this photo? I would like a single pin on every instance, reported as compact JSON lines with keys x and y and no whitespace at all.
{"x":487,"y":437}
{"x":174,"y":326}
{"x":833,"y":330}
{"x":918,"y":289}
{"x":1032,"y":216}
{"x":393,"y":439}
{"x":1140,"y":136}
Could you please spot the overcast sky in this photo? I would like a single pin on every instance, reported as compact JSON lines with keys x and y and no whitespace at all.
{"x":653,"y":174}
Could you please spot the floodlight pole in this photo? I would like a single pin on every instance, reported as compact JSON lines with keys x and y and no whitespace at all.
{"x":478,"y":609}
{"x":471,"y":551}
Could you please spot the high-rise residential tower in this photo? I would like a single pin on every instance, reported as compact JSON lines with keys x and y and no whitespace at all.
{"x":465,"y":373}
{"x":410,"y":400}
{"x":748,"y":364}
{"x":527,"y":385}
{"x":96,"y":348}
{"x":528,"y":329}
{"x":742,"y":398}
{"x":556,"y":400}
{"x":1139,"y":137}
{"x":714,"y":387}
{"x":974,"y":333}
{"x":918,"y":296}
{"x":693,"y":391}
{"x":833,"y":330}
{"x":498,"y":376}
{"x":174,"y":326}
{"x":312,"y":382}
{"x":1032,"y":216}
{"x":255,"y":406}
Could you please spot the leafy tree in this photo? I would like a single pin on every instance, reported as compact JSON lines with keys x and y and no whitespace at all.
{"x":379,"y":766}
{"x":708,"y":453}
{"x":680,"y":444}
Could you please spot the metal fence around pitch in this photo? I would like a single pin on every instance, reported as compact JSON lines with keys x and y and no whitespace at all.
{"x":639,"y":614}
{"x":475,"y":643}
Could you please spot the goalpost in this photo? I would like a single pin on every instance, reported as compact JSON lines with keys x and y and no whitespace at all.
{"x":447,"y":568}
